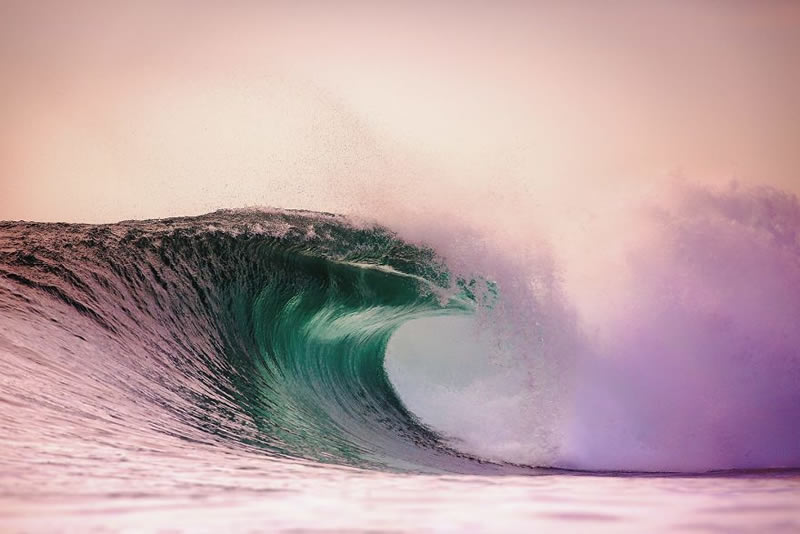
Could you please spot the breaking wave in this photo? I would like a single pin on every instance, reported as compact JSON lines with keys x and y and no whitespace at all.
{"x":311,"y":337}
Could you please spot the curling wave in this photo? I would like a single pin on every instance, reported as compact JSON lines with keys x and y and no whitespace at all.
{"x":261,"y":329}
{"x":311,"y":337}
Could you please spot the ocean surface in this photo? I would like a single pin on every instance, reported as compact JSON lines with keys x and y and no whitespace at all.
{"x":288,"y":371}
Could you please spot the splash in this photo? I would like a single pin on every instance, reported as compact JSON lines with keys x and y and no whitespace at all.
{"x":696,"y":365}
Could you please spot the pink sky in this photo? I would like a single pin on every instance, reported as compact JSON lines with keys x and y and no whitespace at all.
{"x":154,"y":109}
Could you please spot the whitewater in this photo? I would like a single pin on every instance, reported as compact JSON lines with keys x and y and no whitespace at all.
{"x":257,"y":369}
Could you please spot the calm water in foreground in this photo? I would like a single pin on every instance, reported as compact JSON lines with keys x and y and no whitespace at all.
{"x":204,"y":491}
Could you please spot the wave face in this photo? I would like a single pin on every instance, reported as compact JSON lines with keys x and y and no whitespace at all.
{"x":262,"y":329}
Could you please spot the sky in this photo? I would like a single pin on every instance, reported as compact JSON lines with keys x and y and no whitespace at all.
{"x":150,"y":109}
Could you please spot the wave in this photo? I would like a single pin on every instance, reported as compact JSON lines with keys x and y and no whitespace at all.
{"x":318,"y":338}
{"x":264,"y":329}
